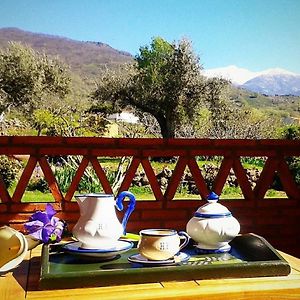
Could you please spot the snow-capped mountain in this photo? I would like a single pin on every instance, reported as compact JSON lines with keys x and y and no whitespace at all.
{"x":274,"y":84}
{"x":235,"y":74}
{"x":270,"y":82}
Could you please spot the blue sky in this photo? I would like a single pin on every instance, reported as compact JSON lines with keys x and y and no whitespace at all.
{"x":252,"y":34}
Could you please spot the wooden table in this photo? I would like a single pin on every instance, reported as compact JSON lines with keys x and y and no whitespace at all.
{"x":22,"y":283}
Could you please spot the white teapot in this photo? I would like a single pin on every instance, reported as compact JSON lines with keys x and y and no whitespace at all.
{"x":213,"y":226}
{"x":98,"y":226}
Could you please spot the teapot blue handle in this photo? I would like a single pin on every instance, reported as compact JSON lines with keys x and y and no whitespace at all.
{"x":130,"y":208}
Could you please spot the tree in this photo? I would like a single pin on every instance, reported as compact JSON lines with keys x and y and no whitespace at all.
{"x":231,"y":121}
{"x":165,"y":82}
{"x":28,"y":77}
{"x":292,"y":132}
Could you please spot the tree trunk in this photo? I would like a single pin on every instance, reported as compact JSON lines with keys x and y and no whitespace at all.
{"x":166,"y":127}
{"x":167,"y":130}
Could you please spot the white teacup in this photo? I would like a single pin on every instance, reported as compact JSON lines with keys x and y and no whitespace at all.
{"x":161,"y":244}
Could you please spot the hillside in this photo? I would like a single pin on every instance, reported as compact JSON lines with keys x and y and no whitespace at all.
{"x":274,"y":84}
{"x":85,"y":58}
{"x":271,"y":82}
{"x":285,"y":106}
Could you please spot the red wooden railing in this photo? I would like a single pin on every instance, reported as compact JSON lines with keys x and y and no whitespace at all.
{"x":275,"y":219}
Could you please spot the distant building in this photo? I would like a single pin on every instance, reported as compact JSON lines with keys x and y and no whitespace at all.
{"x":124,"y":116}
{"x":112,"y":130}
{"x":295,"y":120}
{"x":114,"y":119}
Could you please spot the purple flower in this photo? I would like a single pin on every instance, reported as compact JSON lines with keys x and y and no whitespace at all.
{"x":44,"y":226}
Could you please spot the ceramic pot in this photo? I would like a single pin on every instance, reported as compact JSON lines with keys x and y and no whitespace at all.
{"x":98,"y":226}
{"x":212,"y":227}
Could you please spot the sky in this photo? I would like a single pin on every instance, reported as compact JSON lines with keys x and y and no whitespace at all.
{"x":251,"y":34}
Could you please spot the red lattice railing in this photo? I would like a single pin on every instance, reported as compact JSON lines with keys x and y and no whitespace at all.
{"x":254,"y":211}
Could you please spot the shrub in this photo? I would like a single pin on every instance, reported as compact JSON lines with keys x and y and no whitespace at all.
{"x":88,"y":183}
{"x":293,"y":133}
{"x":39,"y":184}
{"x":9,"y":169}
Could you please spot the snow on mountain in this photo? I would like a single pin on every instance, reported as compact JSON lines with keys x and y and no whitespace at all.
{"x":237,"y":75}
{"x":276,"y":71}
{"x":270,"y":82}
{"x":274,"y":84}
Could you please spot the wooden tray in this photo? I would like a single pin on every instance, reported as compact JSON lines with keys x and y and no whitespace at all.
{"x":250,"y":256}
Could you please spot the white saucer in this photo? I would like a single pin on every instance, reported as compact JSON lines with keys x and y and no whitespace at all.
{"x":74,"y":248}
{"x":21,"y":254}
{"x":200,"y":248}
{"x":138,"y":258}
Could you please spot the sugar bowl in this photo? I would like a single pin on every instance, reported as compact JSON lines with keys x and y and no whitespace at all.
{"x":212,"y":227}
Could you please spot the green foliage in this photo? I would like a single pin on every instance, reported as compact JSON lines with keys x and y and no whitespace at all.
{"x":257,"y":162}
{"x":89,"y":182}
{"x":151,"y":64}
{"x":284,"y":107}
{"x":164,"y":86}
{"x":294,"y":166}
{"x":165,"y":82}
{"x":26,"y":77}
{"x":155,"y":57}
{"x":293,"y":133}
{"x":96,"y":124}
{"x":227,"y":120}
{"x":69,"y":124}
{"x":38,"y":184}
{"x":43,"y":120}
{"x":142,"y":192}
{"x":9,"y":169}
{"x":230,"y":192}
{"x":64,"y":177}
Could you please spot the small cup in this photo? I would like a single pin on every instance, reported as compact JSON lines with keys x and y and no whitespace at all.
{"x":161,"y":244}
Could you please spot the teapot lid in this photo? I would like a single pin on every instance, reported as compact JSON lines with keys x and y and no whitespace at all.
{"x":212,"y":209}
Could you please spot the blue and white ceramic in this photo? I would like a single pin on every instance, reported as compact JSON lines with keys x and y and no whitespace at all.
{"x":212,"y":227}
{"x":98,"y":225}
{"x":140,"y":259}
{"x":120,"y":247}
{"x":161,"y":244}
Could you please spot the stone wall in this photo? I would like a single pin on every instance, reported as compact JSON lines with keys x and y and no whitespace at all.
{"x":209,"y":173}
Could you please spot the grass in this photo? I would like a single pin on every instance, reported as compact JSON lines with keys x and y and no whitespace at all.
{"x":34,"y":196}
{"x":145,"y":193}
{"x":37,"y":196}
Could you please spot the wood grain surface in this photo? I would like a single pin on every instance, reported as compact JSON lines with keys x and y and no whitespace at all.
{"x":22,"y":283}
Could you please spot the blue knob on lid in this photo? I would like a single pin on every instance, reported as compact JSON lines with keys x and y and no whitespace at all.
{"x":212,"y":209}
{"x":212,"y":196}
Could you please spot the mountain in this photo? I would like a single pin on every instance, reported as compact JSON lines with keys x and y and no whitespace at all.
{"x":85,"y":58}
{"x":274,"y":84}
{"x":236,"y":75}
{"x":269,"y":82}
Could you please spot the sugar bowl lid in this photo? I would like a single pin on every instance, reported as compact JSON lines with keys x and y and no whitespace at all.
{"x":212,"y":209}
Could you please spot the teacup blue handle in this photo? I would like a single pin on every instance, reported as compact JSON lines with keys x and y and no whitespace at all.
{"x":183,"y":235}
{"x":130,"y":208}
